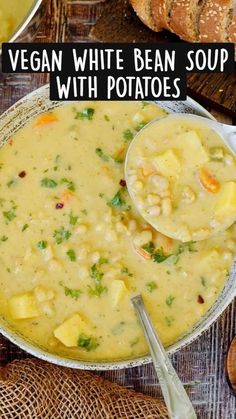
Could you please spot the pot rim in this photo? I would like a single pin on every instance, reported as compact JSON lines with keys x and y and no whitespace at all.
{"x":225,"y":298}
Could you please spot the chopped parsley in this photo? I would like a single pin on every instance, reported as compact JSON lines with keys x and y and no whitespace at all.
{"x":141,"y":125}
{"x":157,"y":255}
{"x":128,"y":135}
{"x":25,"y":226}
{"x":149,"y":247}
{"x":9,"y":215}
{"x":71,"y":255}
{"x":70,"y":292}
{"x":97,"y":276}
{"x":101,"y":154}
{"x":89,"y":343}
{"x":144,"y":104}
{"x":169,"y":301}
{"x":126,"y":271}
{"x":86,"y":113}
{"x":61,"y":235}
{"x":102,"y":261}
{"x":4,"y":238}
{"x":42,"y":244}
{"x":73,"y":219}
{"x":118,"y":200}
{"x":48,"y":183}
{"x":69,"y":184}
{"x":106,"y":117}
{"x":10,"y":183}
{"x":151,"y":286}
{"x":169,"y":320}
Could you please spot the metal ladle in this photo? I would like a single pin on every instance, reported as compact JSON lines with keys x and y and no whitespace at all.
{"x":226,"y":133}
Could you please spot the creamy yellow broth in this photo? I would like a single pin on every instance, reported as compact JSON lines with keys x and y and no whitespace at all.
{"x":73,"y":250}
{"x":183,"y":178}
{"x":12,"y":12}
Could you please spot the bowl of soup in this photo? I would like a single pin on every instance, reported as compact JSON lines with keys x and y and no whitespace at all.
{"x":19,"y":20}
{"x":74,"y":249}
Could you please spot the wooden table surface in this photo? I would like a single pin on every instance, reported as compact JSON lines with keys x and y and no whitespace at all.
{"x":199,"y":365}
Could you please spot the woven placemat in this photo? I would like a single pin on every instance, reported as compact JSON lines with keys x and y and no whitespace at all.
{"x":32,"y":388}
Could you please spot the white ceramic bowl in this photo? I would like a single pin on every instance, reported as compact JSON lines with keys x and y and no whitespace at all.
{"x":16,"y":117}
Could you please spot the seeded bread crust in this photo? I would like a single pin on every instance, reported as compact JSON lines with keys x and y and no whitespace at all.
{"x":143,"y":10}
{"x":184,"y":19}
{"x":215,"y":20}
{"x":161,"y":12}
{"x":232,"y":29}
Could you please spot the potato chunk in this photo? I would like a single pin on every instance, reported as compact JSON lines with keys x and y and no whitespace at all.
{"x":226,"y":204}
{"x":23,"y":306}
{"x":118,"y":291}
{"x":68,"y":332}
{"x":168,"y":164}
{"x":194,"y":153}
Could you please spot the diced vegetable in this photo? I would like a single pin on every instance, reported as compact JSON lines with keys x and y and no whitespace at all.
{"x":208,"y":181}
{"x":226,"y":204}
{"x":46,"y":118}
{"x":23,"y":306}
{"x":194,"y":152}
{"x":168,"y":164}
{"x":216,"y":154}
{"x":68,"y":332}
{"x":118,"y":291}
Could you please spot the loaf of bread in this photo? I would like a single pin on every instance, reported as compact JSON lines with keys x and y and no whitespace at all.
{"x":191,"y":20}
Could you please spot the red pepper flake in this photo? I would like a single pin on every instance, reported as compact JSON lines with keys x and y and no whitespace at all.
{"x":59,"y":205}
{"x":200,"y":299}
{"x":11,"y":141}
{"x":22,"y":174}
{"x":123,"y":183}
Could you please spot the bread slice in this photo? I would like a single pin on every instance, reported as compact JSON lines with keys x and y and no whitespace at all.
{"x":232,"y":29}
{"x":161,"y":12}
{"x":215,"y":20}
{"x":144,"y":12}
{"x":184,"y":21}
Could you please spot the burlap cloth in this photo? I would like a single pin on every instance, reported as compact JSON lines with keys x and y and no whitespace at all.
{"x":32,"y":388}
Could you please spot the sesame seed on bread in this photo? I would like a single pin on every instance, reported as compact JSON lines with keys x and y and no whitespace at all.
{"x":215,"y":20}
{"x":143,"y":10}
{"x":184,"y":20}
{"x":161,"y":12}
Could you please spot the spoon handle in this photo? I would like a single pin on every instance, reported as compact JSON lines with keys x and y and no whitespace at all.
{"x":176,"y":398}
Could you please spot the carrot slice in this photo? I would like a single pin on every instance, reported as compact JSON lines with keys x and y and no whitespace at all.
{"x":141,"y":252}
{"x":148,"y":169}
{"x":208,"y":181}
{"x":67,"y":197}
{"x":46,"y":118}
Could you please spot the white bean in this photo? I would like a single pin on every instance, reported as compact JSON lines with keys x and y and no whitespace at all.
{"x":166,"y":207}
{"x":153,"y":199}
{"x":154,"y":211}
{"x":160,"y":183}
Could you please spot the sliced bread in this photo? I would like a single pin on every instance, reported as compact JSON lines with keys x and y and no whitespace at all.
{"x":215,"y":20}
{"x":161,"y":12}
{"x":184,"y":21}
{"x":144,"y":12}
{"x":232,"y":29}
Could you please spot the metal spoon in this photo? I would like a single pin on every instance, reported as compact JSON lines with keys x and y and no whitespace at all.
{"x":176,"y":398}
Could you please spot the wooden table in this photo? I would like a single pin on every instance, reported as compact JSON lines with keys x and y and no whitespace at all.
{"x":201,"y":364}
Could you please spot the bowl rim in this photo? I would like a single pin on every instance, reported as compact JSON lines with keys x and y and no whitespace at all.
{"x":199,"y":328}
